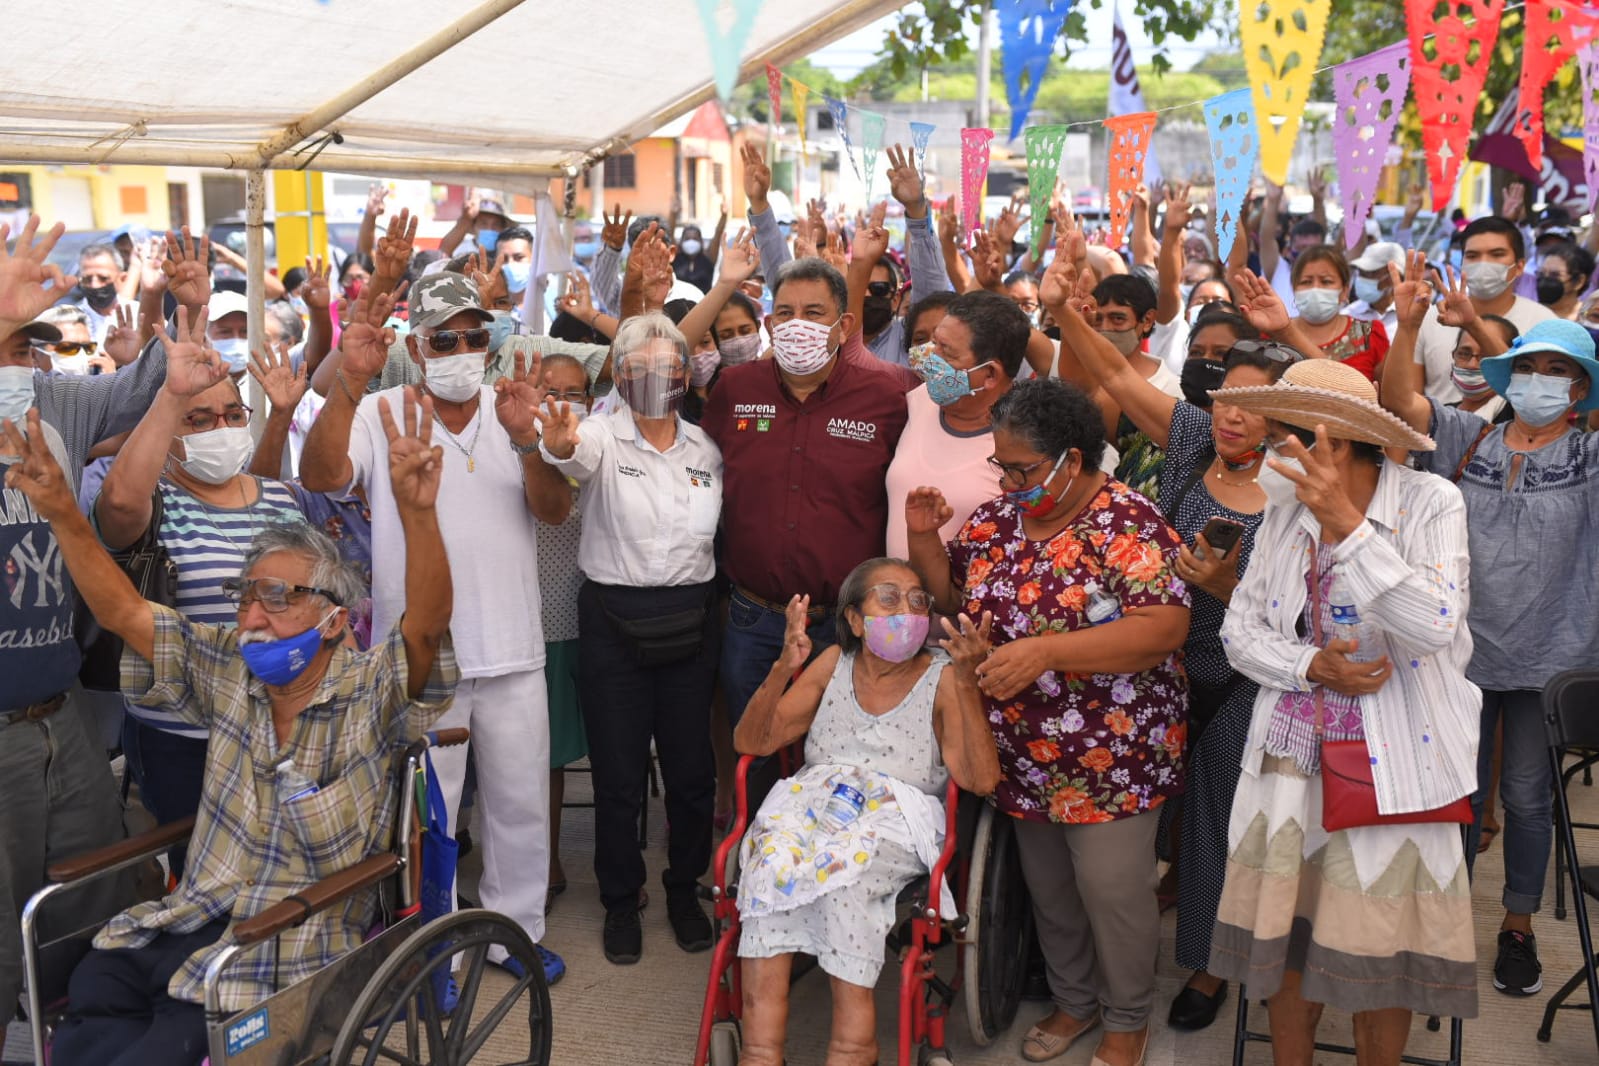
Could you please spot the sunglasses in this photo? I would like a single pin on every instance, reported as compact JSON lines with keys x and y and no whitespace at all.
{"x":275,"y":595}
{"x":445,"y":341}
{"x":880,"y":289}
{"x":1278,"y":353}
{"x":70,"y":348}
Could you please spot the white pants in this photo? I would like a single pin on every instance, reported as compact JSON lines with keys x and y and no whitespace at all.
{"x":510,"y":722}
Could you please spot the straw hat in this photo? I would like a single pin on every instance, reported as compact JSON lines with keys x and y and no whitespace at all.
{"x":1323,"y":392}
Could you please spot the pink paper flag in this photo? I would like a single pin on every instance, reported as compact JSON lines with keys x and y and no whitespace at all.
{"x":1555,"y":30}
{"x":1588,"y":64}
{"x":1129,"y":151}
{"x":774,"y":90}
{"x":1370,"y":92}
{"x":975,"y":145}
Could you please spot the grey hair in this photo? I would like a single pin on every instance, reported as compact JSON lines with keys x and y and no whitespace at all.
{"x":289,"y":322}
{"x":813,"y":268}
{"x":852,"y":594}
{"x":328,"y":568}
{"x":65,"y":315}
{"x":639,"y":330}
{"x":91,"y":251}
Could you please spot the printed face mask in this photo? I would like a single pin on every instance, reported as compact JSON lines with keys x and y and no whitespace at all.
{"x":1038,"y":500}
{"x":702,"y":367}
{"x":279,"y":662}
{"x":1469,"y":381}
{"x":895,"y":637}
{"x":216,"y":455}
{"x":945,"y":384}
{"x":1539,"y":399}
{"x":736,"y":350}
{"x":455,"y":378}
{"x":801,"y":346}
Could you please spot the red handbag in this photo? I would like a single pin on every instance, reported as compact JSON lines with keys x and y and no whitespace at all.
{"x":1348,"y":796}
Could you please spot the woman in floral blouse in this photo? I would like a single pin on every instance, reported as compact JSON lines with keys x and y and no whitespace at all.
{"x":1084,"y":695}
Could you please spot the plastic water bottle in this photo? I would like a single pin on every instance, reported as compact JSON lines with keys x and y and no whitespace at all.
{"x":1347,"y":624}
{"x":842,"y":807}
{"x":292,"y":784}
{"x":1102,"y":606}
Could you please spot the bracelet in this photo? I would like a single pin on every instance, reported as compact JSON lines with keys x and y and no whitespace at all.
{"x":338,"y":375}
{"x":525,"y":449}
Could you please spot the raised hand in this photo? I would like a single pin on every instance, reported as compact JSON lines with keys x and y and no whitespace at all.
{"x":1413,"y":202}
{"x":968,"y":646}
{"x":517,"y":398}
{"x":579,"y":300}
{"x":192,"y":364}
{"x":473,"y":205}
{"x":38,"y":477}
{"x":988,"y":260}
{"x":948,"y":220}
{"x":654,"y":266}
{"x":815,"y":223}
{"x":121,"y":342}
{"x":152,"y":278}
{"x":1456,"y":309}
{"x":28,"y":283}
{"x":926,"y":510}
{"x":188,"y":270}
{"x":905,"y":181}
{"x":376,"y":193}
{"x":1318,"y":184}
{"x":391,"y":255}
{"x":1005,"y":228}
{"x":871,"y":240}
{"x":615,"y":232}
{"x":1412,"y":289}
{"x":1259,"y":303}
{"x":284,"y":386}
{"x":1319,"y":484}
{"x":796,"y":641}
{"x":366,"y":338}
{"x":318,"y":288}
{"x":415,"y":462}
{"x":833,"y":254}
{"x":741,"y":259}
{"x":757,"y":178}
{"x":1515,"y":204}
{"x":491,"y":284}
{"x":1179,"y":208}
{"x":560,"y":422}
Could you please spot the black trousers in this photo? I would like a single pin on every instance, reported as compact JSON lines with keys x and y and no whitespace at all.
{"x":120,"y":1013}
{"x":625,"y":706}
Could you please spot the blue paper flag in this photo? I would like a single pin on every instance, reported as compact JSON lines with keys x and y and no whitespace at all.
{"x":727,"y":42}
{"x":1234,"y":148}
{"x":1027,"y":32}
{"x":872,"y":127}
{"x":921,"y":133}
{"x":840,"y":111}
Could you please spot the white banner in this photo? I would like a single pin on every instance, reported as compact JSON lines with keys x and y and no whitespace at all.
{"x":1126,"y":96}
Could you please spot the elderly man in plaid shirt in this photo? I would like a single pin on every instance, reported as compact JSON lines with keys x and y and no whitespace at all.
{"x":302,"y":730}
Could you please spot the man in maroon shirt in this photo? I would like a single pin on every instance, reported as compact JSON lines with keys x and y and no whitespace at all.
{"x":806,"y":439}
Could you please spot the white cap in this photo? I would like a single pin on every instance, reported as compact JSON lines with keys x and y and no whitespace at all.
{"x":226,"y":302}
{"x":1378,"y":255}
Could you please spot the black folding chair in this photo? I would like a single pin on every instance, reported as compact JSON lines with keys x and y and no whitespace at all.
{"x":1571,"y":720}
{"x":1584,"y":764}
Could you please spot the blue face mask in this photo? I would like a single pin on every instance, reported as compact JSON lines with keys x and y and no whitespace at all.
{"x":945,"y":384}
{"x":500,"y":329}
{"x":279,"y":662}
{"x":1539,"y":399}
{"x":487,"y":239}
{"x":517,"y":275}
{"x":235,"y":352}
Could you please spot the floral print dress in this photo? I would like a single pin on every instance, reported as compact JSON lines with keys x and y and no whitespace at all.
{"x":1079,"y":747}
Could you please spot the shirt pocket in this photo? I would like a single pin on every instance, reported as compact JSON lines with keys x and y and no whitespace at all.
{"x":329,"y":826}
{"x":704,"y":507}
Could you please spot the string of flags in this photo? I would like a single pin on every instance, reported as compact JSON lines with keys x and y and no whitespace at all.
{"x":1442,"y":65}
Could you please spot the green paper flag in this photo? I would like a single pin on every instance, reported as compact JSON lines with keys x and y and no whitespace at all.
{"x":1044,"y":144}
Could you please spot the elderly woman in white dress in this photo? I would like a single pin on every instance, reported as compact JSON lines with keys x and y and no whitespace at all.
{"x":1352,"y":618}
{"x":889,"y":724}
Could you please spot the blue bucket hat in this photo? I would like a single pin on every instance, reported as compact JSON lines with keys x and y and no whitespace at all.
{"x":1551,"y":335}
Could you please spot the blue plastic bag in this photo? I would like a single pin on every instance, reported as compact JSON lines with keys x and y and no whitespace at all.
{"x":439,"y":854}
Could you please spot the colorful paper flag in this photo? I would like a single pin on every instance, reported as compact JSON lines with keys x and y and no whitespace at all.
{"x":1446,"y":84}
{"x":801,"y":93}
{"x":1129,"y":152}
{"x":726,"y":35}
{"x":1027,"y":32}
{"x":1234,"y":147}
{"x":1555,"y":31}
{"x":1369,"y":92}
{"x":1044,"y":144}
{"x":975,"y":146}
{"x":921,"y":133}
{"x":1588,"y":65}
{"x":840,"y":112}
{"x":1126,"y":94}
{"x":872,"y":127}
{"x":1282,"y":42}
{"x":774,"y":92}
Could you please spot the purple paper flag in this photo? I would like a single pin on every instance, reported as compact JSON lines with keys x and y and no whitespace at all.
{"x":921,"y":133}
{"x":1370,"y":92}
{"x":1234,"y":147}
{"x":840,"y":112}
{"x":1027,"y":32}
{"x":975,"y":147}
{"x":1588,"y":64}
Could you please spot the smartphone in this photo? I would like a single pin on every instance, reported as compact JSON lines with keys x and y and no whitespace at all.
{"x":1222,"y":534}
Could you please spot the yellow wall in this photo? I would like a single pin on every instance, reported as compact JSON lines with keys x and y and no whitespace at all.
{"x":288,"y":198}
{"x":106,"y":185}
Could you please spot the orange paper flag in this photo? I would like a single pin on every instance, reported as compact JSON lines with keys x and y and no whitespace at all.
{"x":1129,"y":149}
{"x":1282,"y":42}
{"x":801,"y":92}
{"x":1445,"y":82}
{"x":1556,"y":29}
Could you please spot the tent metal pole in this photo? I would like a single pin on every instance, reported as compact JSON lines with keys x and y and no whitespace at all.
{"x":316,"y":119}
{"x":255,"y":286}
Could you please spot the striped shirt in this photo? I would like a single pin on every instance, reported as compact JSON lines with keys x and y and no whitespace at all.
{"x":208,"y":545}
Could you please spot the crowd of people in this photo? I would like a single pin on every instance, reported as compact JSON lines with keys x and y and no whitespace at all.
{"x":1127,"y":541}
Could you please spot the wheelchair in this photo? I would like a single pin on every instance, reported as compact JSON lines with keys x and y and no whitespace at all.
{"x":381,"y":1001}
{"x":994,"y":934}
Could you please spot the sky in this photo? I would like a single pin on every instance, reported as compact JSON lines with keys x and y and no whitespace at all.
{"x":847,"y":56}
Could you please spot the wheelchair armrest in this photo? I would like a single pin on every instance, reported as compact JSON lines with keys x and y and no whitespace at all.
{"x":315,"y":898}
{"x":122,"y":852}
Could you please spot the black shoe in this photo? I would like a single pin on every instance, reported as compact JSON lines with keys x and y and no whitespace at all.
{"x":1192,"y":1010}
{"x":1517,"y":971}
{"x":623,"y":937}
{"x":689,"y":925}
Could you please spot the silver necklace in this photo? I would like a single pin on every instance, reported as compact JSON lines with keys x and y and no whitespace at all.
{"x":471,"y":464}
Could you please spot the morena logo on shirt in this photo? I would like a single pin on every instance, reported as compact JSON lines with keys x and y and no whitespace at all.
{"x":850,"y":429}
{"x":699,"y":479}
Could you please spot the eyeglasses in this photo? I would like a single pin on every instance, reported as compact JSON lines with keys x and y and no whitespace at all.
{"x":571,"y":396}
{"x":880,"y":288}
{"x":889,"y":596}
{"x":1010,"y":474}
{"x":1278,"y":353}
{"x":445,"y":341}
{"x":235,"y":417}
{"x":1028,"y":305}
{"x":275,"y":595}
{"x":70,"y":347}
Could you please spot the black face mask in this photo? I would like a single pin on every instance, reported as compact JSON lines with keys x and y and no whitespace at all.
{"x":876,"y":314}
{"x":1550,"y":290}
{"x":100,"y":297}
{"x":1199,"y":376}
{"x":1053,"y":333}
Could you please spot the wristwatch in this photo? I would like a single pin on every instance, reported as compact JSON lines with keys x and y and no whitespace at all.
{"x":525,"y":449}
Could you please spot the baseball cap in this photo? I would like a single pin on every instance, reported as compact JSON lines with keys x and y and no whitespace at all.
{"x":437,"y":298}
{"x":39,"y":331}
{"x":490,"y":206}
{"x":226,"y":302}
{"x":1378,"y":255}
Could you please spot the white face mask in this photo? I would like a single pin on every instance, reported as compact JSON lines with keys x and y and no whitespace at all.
{"x":74,"y":365}
{"x":454,"y":378}
{"x":1317,"y":305}
{"x":801,"y":346}
{"x":1484,"y":281}
{"x":16,"y":392}
{"x":217,"y":455}
{"x":690,"y":247}
{"x":1278,"y":489}
{"x":235,"y":352}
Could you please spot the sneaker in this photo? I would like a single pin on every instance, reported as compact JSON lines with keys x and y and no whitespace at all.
{"x":623,"y":936}
{"x":1517,"y":971}
{"x":690,"y":927}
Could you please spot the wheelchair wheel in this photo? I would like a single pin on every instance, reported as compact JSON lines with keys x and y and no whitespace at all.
{"x":999,"y":929}
{"x":725,"y":1044}
{"x":398,"y":1017}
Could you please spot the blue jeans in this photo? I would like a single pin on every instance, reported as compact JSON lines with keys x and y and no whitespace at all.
{"x":1525,"y":788}
{"x":752,"y":643}
{"x":170,"y":771}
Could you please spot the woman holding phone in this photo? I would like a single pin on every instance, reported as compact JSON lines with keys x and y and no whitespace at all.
{"x":1208,"y":491}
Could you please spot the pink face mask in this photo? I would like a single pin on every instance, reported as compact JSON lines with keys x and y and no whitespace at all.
{"x":702,"y":367}
{"x":895,"y":637}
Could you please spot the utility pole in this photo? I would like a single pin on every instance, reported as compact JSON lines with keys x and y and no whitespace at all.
{"x":985,"y":62}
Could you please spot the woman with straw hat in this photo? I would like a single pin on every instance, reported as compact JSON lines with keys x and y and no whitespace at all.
{"x":1373,"y":919}
{"x":1531,"y":487}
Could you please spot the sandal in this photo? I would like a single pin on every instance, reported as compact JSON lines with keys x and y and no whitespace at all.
{"x":1040,"y":1045}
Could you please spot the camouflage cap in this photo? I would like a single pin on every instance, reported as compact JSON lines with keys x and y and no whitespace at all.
{"x":439,"y":297}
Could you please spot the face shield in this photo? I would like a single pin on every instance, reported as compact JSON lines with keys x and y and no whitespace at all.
{"x":654,"y":380}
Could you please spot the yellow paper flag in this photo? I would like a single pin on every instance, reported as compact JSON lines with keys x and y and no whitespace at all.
{"x":1282,"y":42}
{"x":801,"y":92}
